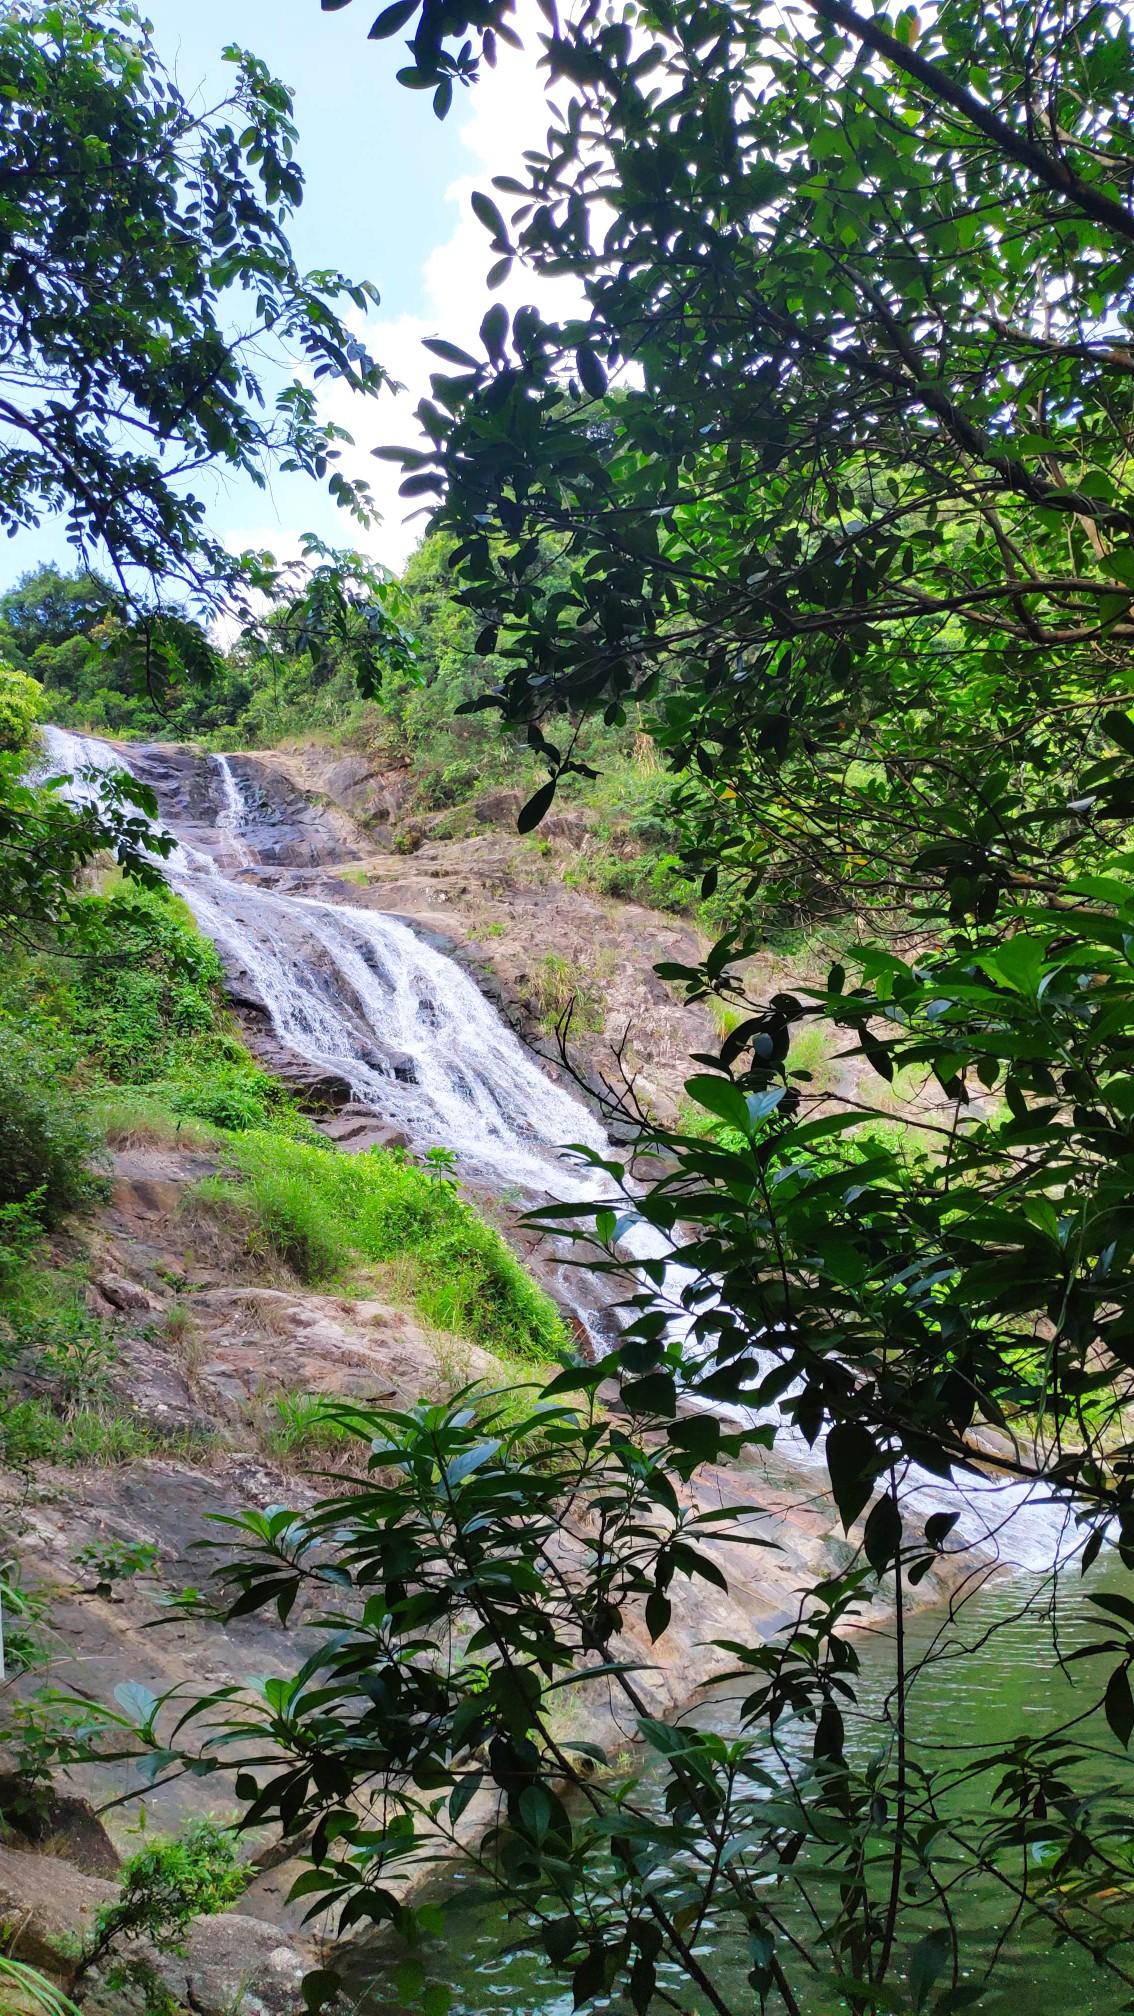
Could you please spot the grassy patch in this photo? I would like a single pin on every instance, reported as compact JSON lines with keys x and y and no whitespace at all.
{"x":301,"y":1427}
{"x":98,"y":1438}
{"x":650,"y":878}
{"x":324,"y":1214}
{"x":558,"y":983}
{"x":134,"y":1116}
{"x":62,"y":1397}
{"x":811,"y":1053}
{"x":147,"y":1009}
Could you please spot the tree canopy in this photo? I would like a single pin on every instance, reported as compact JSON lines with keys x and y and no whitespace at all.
{"x":834,"y":473}
{"x":148,"y":294}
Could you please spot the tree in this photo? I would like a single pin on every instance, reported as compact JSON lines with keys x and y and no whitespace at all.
{"x":136,"y":232}
{"x":135,"y":235}
{"x":860,"y":522}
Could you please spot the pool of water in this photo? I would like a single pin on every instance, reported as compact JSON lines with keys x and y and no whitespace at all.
{"x":993,"y":1670}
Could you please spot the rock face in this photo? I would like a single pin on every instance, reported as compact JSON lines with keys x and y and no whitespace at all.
{"x":279,"y":822}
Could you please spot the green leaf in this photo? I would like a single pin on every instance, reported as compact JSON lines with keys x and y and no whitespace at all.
{"x":592,"y":377}
{"x":321,"y":1986}
{"x":882,"y":1534}
{"x":393,"y":18}
{"x":853,"y":1462}
{"x":494,"y":331}
{"x":409,"y":1980}
{"x":659,"y":1610}
{"x":1120,"y":728}
{"x":589,"y":1978}
{"x":1118,"y":1705}
{"x":450,"y":354}
{"x":928,"y":1961}
{"x":486,"y":213}
{"x":538,"y":805}
{"x":655,"y":1394}
{"x":722,"y":1097}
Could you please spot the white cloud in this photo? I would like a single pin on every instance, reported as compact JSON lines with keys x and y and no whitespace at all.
{"x":507,"y":112}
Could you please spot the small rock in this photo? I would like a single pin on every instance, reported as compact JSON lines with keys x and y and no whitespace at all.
{"x":128,"y":1297}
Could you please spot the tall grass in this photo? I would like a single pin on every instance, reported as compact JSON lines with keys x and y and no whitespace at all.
{"x":324,"y":1213}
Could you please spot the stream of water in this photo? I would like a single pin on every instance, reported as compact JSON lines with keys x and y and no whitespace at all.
{"x":996,"y":1673}
{"x":356,"y":992}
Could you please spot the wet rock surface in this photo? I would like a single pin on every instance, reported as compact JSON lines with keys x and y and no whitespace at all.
{"x":278,"y":821}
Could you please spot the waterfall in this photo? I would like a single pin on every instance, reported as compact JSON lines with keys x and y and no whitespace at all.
{"x":356,"y":992}
{"x":230,"y":820}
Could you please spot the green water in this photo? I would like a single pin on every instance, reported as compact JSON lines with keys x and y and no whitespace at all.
{"x":984,"y":1685}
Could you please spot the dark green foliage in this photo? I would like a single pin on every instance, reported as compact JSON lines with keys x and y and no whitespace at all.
{"x":148,"y":987}
{"x":165,"y":1886}
{"x":146,"y":1006}
{"x":45,"y":843}
{"x":46,"y":1142}
{"x":856,"y":522}
{"x":123,"y":358}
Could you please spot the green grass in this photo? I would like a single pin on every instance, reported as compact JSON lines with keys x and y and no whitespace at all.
{"x":99,"y":1438}
{"x":324,"y":1214}
{"x":301,"y":1427}
{"x":811,"y":1052}
{"x":558,"y":983}
{"x":137,"y":1116}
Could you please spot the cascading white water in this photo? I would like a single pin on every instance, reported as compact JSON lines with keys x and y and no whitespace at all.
{"x":356,"y":992}
{"x":230,"y":819}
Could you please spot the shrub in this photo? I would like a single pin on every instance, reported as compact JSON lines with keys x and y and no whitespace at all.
{"x":20,"y":699}
{"x":46,"y":1143}
{"x":165,"y":1886}
{"x":233,"y":1096}
{"x":319,"y":1212}
{"x":147,"y":994}
{"x":20,"y":1228}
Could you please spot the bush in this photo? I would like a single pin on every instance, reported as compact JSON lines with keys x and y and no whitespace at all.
{"x":165,"y":1886}
{"x":233,"y":1096}
{"x":147,"y":995}
{"x":46,"y":1143}
{"x":320,"y":1212}
{"x":20,"y":1229}
{"x":20,"y":699}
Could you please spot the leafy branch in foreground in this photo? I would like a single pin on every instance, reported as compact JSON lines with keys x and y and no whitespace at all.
{"x":495,"y":1560}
